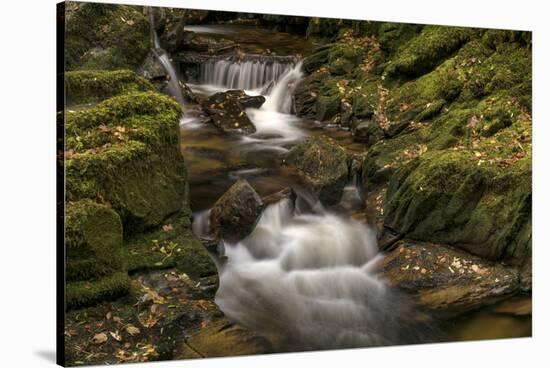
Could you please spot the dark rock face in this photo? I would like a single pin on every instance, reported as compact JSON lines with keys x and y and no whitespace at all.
{"x":235,"y":214}
{"x":227,"y":110}
{"x":322,"y":166}
{"x":445,"y":279}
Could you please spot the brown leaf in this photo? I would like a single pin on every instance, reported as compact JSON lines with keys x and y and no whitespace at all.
{"x":100,"y":338}
{"x":132,"y":330}
{"x":116,"y":335}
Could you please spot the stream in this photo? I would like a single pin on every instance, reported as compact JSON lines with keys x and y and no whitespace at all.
{"x":304,"y":277}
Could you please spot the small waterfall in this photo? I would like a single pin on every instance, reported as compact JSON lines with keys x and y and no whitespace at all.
{"x":173,"y":83}
{"x":243,"y":74}
{"x":280,"y":98}
{"x":308,"y":279}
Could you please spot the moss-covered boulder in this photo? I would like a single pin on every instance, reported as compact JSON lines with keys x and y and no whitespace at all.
{"x":451,"y":198}
{"x":95,"y":267}
{"x":105,"y":36}
{"x":85,"y":86}
{"x":125,"y":152}
{"x":322,"y":166}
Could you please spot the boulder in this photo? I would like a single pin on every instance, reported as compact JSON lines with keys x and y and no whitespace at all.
{"x":94,"y":267}
{"x":368,"y":132}
{"x":125,"y":153}
{"x":236,"y":212}
{"x":227,"y":110}
{"x":452,"y":198}
{"x":322,"y":166}
{"x":445,"y":279}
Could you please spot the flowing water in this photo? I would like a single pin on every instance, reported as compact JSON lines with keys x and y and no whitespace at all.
{"x":304,"y":277}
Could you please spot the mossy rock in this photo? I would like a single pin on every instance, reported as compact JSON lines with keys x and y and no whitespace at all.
{"x":427,"y":50}
{"x":85,"y":86}
{"x":83,"y":293}
{"x":322,"y":166}
{"x":105,"y":36}
{"x":173,"y":244}
{"x":448,"y":197}
{"x":125,"y":152}
{"x":93,"y":241}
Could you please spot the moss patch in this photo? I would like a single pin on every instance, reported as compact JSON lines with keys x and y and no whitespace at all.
{"x":105,"y":36}
{"x":125,"y":152}
{"x":84,"y":86}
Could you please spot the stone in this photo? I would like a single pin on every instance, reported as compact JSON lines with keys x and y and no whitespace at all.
{"x":322,"y":166}
{"x":236,"y":212}
{"x":368,"y":132}
{"x":445,"y":279}
{"x":227,"y":110}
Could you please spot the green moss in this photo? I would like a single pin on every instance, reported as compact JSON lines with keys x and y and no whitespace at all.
{"x":323,"y":167}
{"x":427,"y":50}
{"x":83,"y":293}
{"x":125,"y":151}
{"x":172,"y":245}
{"x":84,"y":86}
{"x":105,"y":36}
{"x":93,"y":240}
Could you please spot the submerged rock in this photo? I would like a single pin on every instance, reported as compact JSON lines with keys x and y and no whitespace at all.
{"x":227,"y":110}
{"x":322,"y":166}
{"x":445,"y":279}
{"x":236,"y":213}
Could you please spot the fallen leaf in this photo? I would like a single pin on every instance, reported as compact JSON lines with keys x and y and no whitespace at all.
{"x":116,"y":335}
{"x":100,"y":338}
{"x":132,"y":330}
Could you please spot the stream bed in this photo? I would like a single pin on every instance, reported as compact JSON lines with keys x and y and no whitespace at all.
{"x":304,"y":279}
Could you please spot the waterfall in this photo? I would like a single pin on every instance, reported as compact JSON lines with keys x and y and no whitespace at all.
{"x":173,"y":83}
{"x":280,"y":98}
{"x":308,"y":278}
{"x":243,"y":74}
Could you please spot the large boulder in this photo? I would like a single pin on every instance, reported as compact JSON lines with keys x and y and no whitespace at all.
{"x":124,"y":152}
{"x":227,"y":110}
{"x":454,"y":198}
{"x":447,"y":280}
{"x":94,"y":268}
{"x":236,"y":213}
{"x":322,"y":166}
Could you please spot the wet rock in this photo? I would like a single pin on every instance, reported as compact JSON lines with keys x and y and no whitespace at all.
{"x":368,"y":132}
{"x":286,"y":193}
{"x":236,"y":213}
{"x":526,"y":276}
{"x":322,"y":166}
{"x":445,"y":279}
{"x":227,"y":110}
{"x":221,"y":338}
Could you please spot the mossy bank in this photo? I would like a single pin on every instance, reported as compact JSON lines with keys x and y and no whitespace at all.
{"x":445,"y":113}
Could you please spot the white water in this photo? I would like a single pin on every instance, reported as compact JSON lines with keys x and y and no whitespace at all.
{"x":248,"y":75}
{"x":173,"y":83}
{"x":307,"y":279}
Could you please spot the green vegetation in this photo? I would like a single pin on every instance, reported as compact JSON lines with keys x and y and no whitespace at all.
{"x":85,"y":86}
{"x":105,"y":36}
{"x":446,"y":112}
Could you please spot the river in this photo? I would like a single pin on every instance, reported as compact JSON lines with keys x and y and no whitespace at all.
{"x":304,"y":276}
